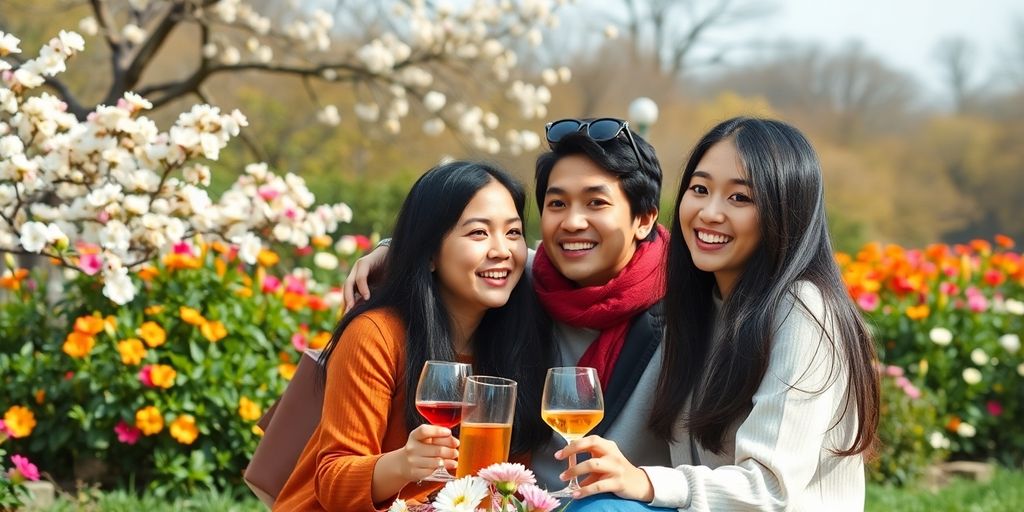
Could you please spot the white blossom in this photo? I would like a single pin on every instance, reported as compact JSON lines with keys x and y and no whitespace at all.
{"x":972,"y":375}
{"x":325,"y":260}
{"x":940,"y":336}
{"x":433,"y":126}
{"x":33,"y":236}
{"x":329,"y":115}
{"x":611,"y":32}
{"x":979,"y":357}
{"x":1010,"y":343}
{"x":133,"y":33}
{"x":966,"y":429}
{"x":1015,"y":307}
{"x":9,"y":44}
{"x":117,"y":286}
{"x":89,"y":26}
{"x":249,"y":247}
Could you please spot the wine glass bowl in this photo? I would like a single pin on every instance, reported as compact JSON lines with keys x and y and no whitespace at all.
{"x":439,"y":399}
{"x":572,"y":405}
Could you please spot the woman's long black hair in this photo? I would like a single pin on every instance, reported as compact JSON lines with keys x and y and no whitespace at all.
{"x":786,"y":181}
{"x":512,"y":341}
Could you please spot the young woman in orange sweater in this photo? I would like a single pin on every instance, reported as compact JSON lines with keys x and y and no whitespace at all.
{"x":452,"y":290}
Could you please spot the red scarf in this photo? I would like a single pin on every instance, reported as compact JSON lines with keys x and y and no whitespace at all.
{"x":608,"y":308}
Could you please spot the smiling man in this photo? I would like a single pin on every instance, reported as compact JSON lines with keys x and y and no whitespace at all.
{"x":600,"y":274}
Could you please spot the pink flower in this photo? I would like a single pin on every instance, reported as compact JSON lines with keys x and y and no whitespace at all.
{"x":127,"y":434}
{"x":146,"y":375}
{"x":304,"y":251}
{"x":183,"y":248}
{"x":948,"y":288}
{"x":271,"y":284}
{"x":362,"y":242}
{"x":268,"y":193}
{"x":90,"y":264}
{"x":902,"y":382}
{"x":507,"y":476}
{"x":868,"y":301}
{"x":977,"y":303}
{"x":912,"y":391}
{"x":24,"y":468}
{"x":537,"y":499}
{"x":294,"y":284}
{"x":894,"y":371}
{"x":299,"y":341}
{"x":994,"y":408}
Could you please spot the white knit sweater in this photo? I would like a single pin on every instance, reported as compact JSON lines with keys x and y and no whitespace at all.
{"x":779,"y":456}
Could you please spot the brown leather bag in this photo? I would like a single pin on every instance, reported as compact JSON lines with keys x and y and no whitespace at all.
{"x":287,"y":427}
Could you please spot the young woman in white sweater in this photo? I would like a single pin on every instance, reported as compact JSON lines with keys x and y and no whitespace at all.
{"x":767,"y":393}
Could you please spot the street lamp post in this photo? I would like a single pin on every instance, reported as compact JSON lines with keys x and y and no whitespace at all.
{"x":643,"y":112}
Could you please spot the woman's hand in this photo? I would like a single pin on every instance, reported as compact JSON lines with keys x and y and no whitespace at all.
{"x":607,"y":470}
{"x":357,"y":284}
{"x":415,"y":461}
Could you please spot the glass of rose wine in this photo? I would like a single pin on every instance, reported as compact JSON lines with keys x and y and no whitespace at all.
{"x":572,"y":404}
{"x":489,"y":405}
{"x":439,"y":399}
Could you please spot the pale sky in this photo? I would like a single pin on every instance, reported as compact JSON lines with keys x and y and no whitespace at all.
{"x":901,"y":32}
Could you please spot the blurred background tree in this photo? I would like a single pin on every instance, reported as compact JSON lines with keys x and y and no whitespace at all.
{"x":902,"y":164}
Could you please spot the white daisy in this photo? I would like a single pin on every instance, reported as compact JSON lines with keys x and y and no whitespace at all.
{"x":462,"y":495}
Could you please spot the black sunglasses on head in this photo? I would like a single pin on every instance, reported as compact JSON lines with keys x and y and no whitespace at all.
{"x":597,"y":130}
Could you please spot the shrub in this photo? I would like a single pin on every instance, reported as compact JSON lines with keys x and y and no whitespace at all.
{"x":166,"y":389}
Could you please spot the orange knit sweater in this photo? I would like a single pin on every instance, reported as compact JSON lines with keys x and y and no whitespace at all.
{"x":363,"y":417}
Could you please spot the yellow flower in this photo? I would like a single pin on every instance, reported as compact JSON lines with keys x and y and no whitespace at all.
{"x":149,"y":420}
{"x":78,"y":345}
{"x":19,"y":421}
{"x":248,"y":409}
{"x":213,"y":331}
{"x":257,"y":430}
{"x":132,"y":351}
{"x":244,"y":292}
{"x":155,"y":309}
{"x":268,"y":258}
{"x":162,"y":375}
{"x":191,"y":316}
{"x":321,"y":241}
{"x":287,"y":370}
{"x":918,"y":312}
{"x":91,"y":325}
{"x":183,"y":429}
{"x":152,"y":334}
{"x":320,"y":340}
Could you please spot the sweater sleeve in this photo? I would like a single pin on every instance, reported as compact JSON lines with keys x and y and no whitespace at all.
{"x":779,"y":445}
{"x":361,"y":380}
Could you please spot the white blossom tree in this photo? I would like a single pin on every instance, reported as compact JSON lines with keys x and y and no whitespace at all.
{"x":399,"y":55}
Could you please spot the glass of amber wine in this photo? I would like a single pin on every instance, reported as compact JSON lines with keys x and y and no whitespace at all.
{"x":439,"y":399}
{"x":489,"y":404}
{"x":572,"y":405}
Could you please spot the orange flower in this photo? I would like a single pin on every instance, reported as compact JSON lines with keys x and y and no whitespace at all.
{"x":176,"y":261}
{"x":843,"y":259}
{"x":19,"y":421}
{"x":90,"y":324}
{"x":248,"y":409}
{"x":1004,"y":241}
{"x":191,"y":316}
{"x":221,"y":267}
{"x":320,"y":341}
{"x":132,"y":351}
{"x":284,"y":357}
{"x":183,"y":429}
{"x":287,"y":370}
{"x":40,"y":396}
{"x":149,"y":420}
{"x":918,"y":312}
{"x":267,"y":258}
{"x":293,"y":301}
{"x":982,"y":247}
{"x":213,"y":331}
{"x":152,"y":334}
{"x":148,"y":272}
{"x":155,"y":309}
{"x":12,"y":280}
{"x":953,"y":424}
{"x":244,"y":292}
{"x":78,"y":345}
{"x":162,"y":375}
{"x":321,"y":241}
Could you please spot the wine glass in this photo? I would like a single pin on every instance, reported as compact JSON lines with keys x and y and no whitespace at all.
{"x":572,"y":405}
{"x":439,"y":400}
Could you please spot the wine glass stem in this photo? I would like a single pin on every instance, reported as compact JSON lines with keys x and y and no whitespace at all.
{"x":573,"y":483}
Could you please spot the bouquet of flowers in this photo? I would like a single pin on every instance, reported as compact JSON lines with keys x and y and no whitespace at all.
{"x":499,"y":487}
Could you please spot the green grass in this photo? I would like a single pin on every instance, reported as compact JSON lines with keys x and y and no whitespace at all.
{"x":1005,"y":493}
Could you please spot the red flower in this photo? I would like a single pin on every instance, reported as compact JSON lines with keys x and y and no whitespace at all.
{"x":994,"y":408}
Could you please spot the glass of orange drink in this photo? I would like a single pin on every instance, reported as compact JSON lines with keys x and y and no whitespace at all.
{"x":488,"y":405}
